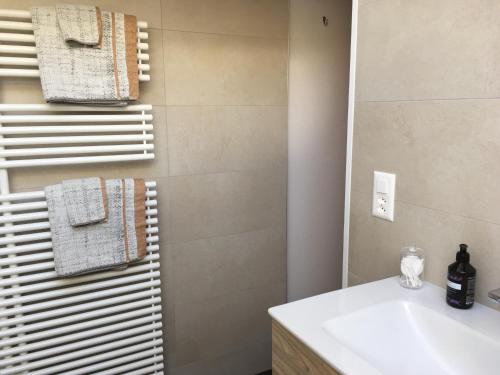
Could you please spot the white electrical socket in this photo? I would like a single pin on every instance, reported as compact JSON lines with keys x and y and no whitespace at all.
{"x":384,"y":188}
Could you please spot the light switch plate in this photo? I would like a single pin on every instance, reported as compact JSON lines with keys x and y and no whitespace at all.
{"x":384,"y":188}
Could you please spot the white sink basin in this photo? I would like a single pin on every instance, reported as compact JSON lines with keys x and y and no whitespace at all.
{"x":400,"y":337}
{"x":382,"y":328}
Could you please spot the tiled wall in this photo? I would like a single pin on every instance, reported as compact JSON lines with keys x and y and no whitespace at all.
{"x":427,"y":109}
{"x":219,"y":91}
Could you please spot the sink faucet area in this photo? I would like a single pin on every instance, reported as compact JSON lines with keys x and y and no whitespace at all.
{"x":495,"y":295}
{"x":382,"y":328}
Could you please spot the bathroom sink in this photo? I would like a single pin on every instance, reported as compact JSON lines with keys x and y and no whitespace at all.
{"x":382,"y":328}
{"x":400,"y":337}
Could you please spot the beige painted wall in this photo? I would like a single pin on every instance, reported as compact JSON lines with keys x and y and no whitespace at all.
{"x":427,"y":109}
{"x":317,"y":113}
{"x":219,"y":90}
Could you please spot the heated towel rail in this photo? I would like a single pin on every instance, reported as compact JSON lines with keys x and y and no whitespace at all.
{"x":57,"y":134}
{"x":107,"y":322}
{"x":102,"y":323}
{"x":18,"y":53}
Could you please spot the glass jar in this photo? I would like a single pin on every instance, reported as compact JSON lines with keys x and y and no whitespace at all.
{"x":412,"y":267}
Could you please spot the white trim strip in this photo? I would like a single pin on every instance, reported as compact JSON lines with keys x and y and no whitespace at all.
{"x":350,"y":131}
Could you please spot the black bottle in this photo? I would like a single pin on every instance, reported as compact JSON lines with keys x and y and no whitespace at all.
{"x":461,"y":281}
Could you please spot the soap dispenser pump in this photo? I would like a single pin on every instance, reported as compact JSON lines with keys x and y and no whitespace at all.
{"x":461,"y":281}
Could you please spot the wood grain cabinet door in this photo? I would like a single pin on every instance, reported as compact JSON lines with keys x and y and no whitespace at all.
{"x":292,"y":357}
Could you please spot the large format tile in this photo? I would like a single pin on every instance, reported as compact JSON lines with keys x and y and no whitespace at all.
{"x":209,"y":69}
{"x":21,"y":91}
{"x":445,"y":153}
{"x":212,"y":327}
{"x":428,"y":49}
{"x":219,"y":139}
{"x":222,"y":265}
{"x":251,"y":359}
{"x":353,"y":279}
{"x":30,"y":178}
{"x":145,"y":10}
{"x":203,"y":206}
{"x":265,"y":18}
{"x":375,"y":244}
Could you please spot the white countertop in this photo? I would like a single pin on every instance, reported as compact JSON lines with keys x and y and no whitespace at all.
{"x":305,"y":319}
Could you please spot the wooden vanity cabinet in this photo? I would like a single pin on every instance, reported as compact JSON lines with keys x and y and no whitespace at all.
{"x":292,"y":357}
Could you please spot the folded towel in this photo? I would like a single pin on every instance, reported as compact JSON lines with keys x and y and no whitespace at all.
{"x":75,"y":73}
{"x":135,"y":217}
{"x":111,"y":244}
{"x":80,"y":23}
{"x":85,"y":200}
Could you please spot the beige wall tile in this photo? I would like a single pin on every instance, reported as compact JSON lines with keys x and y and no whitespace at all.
{"x":208,"y":367}
{"x":145,"y":10}
{"x":375,"y":244}
{"x":213,"y":327}
{"x":445,"y":153}
{"x":222,"y":265}
{"x":428,"y":49}
{"x":21,"y":91}
{"x":218,"y":139}
{"x":203,"y":206}
{"x":209,"y":69}
{"x":354,"y":279}
{"x":31,"y":178}
{"x":254,"y":358}
{"x":245,"y":359}
{"x":266,"y":18}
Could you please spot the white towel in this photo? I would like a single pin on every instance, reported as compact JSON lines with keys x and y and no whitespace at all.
{"x":85,"y":200}
{"x":75,"y":73}
{"x":80,"y":23}
{"x":106,"y":245}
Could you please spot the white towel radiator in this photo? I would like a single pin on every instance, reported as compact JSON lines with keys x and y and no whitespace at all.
{"x":103,"y":323}
{"x":18,"y":53}
{"x":57,"y":134}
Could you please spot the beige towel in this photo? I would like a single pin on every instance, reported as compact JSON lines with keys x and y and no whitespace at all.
{"x":101,"y":246}
{"x":80,"y":23}
{"x":85,"y":200}
{"x":75,"y":73}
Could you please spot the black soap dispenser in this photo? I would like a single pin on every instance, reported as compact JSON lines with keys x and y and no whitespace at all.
{"x":461,"y":281}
